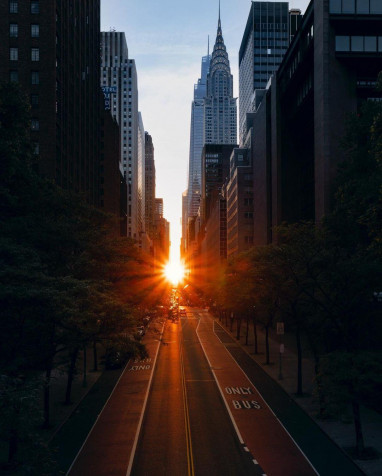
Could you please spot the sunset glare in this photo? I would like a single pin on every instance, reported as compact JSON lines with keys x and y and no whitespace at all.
{"x":174,"y":271}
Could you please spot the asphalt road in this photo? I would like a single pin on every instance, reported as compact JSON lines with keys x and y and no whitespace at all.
{"x":199,"y":405}
{"x":326,"y":457}
{"x":186,"y":429}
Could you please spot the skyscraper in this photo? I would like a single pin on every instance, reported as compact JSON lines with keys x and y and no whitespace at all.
{"x":197,"y":140}
{"x":149,"y":185}
{"x":54,"y":55}
{"x":141,"y":186}
{"x":265,"y":41}
{"x":219,"y":104}
{"x":119,"y":72}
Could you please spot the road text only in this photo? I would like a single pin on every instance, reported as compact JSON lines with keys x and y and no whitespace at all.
{"x":242,"y":404}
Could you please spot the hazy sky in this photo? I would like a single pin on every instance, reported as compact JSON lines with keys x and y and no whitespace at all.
{"x":167,"y":39}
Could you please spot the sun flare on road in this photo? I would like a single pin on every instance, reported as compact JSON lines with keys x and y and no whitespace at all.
{"x":174,"y":272}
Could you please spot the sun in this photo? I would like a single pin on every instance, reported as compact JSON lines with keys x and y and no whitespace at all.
{"x":174,"y":272}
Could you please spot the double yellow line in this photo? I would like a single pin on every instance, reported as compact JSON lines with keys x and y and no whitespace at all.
{"x":190,"y":460}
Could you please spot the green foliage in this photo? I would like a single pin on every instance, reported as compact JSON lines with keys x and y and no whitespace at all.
{"x":357,"y":213}
{"x":21,"y":412}
{"x":350,"y":376}
{"x":65,"y":279}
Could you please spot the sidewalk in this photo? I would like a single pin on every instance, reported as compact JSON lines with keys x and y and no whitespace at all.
{"x":341,"y":432}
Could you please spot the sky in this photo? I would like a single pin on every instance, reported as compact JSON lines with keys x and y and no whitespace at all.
{"x":167,"y":39}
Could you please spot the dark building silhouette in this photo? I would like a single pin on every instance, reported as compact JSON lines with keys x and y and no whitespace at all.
{"x":149,"y":185}
{"x":215,"y":170}
{"x":330,"y":68}
{"x":52,"y":50}
{"x":239,"y":193}
{"x":110,"y":173}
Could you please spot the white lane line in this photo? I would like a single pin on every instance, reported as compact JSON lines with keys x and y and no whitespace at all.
{"x":220,"y":390}
{"x":132,"y":454}
{"x":255,"y":461}
{"x":246,"y":449}
{"x":246,"y":376}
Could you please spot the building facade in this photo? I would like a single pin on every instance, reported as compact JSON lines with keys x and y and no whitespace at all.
{"x":119,"y":73}
{"x":150,"y":181}
{"x":215,"y":170}
{"x":220,"y":113}
{"x":329,"y":70}
{"x":141,"y":186}
{"x":239,"y":194}
{"x":197,"y":139}
{"x":52,"y":50}
{"x":265,"y":41}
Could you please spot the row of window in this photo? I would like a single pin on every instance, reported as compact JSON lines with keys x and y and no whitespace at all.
{"x":14,"y":77}
{"x":34,"y":7}
{"x":14,"y":30}
{"x":14,"y":54}
{"x":359,"y":43}
{"x":355,"y":6}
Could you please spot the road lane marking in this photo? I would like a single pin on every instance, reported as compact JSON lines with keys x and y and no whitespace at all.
{"x":246,"y":376}
{"x":190,"y":459}
{"x":220,"y":390}
{"x":132,"y":454}
{"x":210,"y":380}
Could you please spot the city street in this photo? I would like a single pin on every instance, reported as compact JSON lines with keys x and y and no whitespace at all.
{"x":190,"y":409}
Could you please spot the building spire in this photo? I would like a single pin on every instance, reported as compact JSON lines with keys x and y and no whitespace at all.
{"x":219,"y":22}
{"x":208,"y":48}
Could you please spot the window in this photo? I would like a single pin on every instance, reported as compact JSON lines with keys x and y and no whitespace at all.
{"x":375,"y":6}
{"x":357,"y":43}
{"x":35,"y":124}
{"x":34,"y":100}
{"x":35,"y":31}
{"x":36,"y":148}
{"x":35,"y":77}
{"x":13,"y":54}
{"x":13,"y":7}
{"x":14,"y":76}
{"x":348,"y":6}
{"x":35,"y":6}
{"x":362,"y":6}
{"x":35,"y":54}
{"x":13,"y":30}
{"x":370,"y":43}
{"x":342,"y":43}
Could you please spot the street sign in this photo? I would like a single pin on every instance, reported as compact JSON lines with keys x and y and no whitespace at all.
{"x":280,"y":329}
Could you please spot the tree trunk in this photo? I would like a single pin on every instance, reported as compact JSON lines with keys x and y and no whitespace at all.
{"x":299,"y":363}
{"x":321,"y":396}
{"x":360,"y":445}
{"x":267,"y":361}
{"x":84,"y":383}
{"x":238,"y":328}
{"x":95,"y":357}
{"x":13,"y":446}
{"x":247,"y":329}
{"x":48,"y":373}
{"x":255,"y":335}
{"x":71,"y":369}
